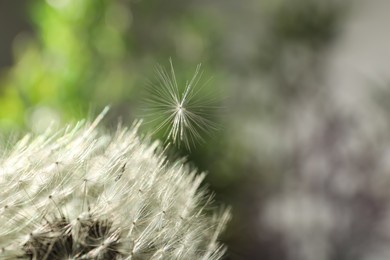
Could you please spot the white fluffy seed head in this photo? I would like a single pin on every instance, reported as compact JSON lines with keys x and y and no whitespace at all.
{"x":82,"y":194}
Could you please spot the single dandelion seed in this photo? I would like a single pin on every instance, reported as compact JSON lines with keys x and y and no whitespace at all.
{"x":184,"y":113}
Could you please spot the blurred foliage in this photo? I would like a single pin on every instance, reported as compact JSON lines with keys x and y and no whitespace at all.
{"x":78,"y":54}
{"x":295,"y":42}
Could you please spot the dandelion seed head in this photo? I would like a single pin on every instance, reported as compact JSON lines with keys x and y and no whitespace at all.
{"x":81,"y":193}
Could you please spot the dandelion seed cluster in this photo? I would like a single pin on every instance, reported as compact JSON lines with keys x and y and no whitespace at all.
{"x":185,"y":112}
{"x":83,"y":194}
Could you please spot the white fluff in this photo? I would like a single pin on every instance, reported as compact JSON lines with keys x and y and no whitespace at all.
{"x":145,"y":207}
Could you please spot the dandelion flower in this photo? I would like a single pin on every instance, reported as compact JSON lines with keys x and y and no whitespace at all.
{"x":183,"y":112}
{"x":84,"y":194}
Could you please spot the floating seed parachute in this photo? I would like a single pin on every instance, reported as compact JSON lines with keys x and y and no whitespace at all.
{"x":183,"y":113}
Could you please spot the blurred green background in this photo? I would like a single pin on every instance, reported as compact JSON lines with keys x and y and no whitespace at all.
{"x":302,"y":150}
